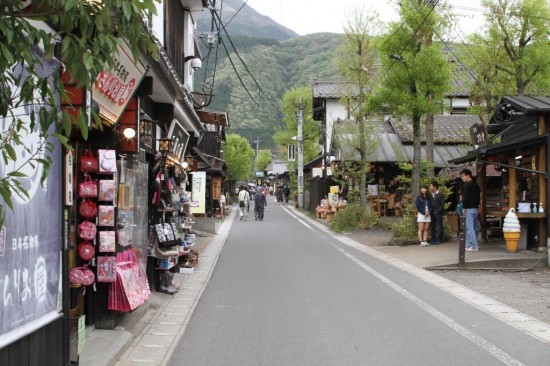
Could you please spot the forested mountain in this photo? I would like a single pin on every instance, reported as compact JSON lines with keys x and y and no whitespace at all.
{"x":242,"y":20}
{"x":273,"y":66}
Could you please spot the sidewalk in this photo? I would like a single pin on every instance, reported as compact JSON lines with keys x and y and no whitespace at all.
{"x":148,"y":335}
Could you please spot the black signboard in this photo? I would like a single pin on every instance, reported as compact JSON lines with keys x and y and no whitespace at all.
{"x":478,"y":133}
{"x":180,"y":138}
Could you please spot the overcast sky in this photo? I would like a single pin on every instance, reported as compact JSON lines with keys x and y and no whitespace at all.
{"x":313,"y":16}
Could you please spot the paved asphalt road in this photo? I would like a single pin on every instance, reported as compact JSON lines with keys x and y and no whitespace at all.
{"x":285,"y":293}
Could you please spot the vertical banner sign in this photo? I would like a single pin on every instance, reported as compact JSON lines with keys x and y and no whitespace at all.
{"x":291,"y":153}
{"x":31,"y":236}
{"x":198,"y":193}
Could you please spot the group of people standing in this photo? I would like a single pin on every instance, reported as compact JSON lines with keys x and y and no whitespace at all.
{"x":430,"y":208}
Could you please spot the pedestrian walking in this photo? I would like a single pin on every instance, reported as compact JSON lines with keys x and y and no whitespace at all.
{"x":222,"y":204}
{"x":279,"y":194}
{"x":470,"y":208}
{"x":260,"y":202}
{"x":286,"y":192}
{"x":423,"y":209}
{"x":244,"y":201}
{"x":438,"y":208}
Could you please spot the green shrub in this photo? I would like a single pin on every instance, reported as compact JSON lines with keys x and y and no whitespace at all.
{"x":353,"y":217}
{"x":406,"y":228}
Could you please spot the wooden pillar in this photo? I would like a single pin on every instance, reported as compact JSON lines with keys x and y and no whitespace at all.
{"x":543,"y":194}
{"x":481,"y":174}
{"x":512,"y":182}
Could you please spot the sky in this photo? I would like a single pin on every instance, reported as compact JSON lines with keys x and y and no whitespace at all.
{"x":314,"y":16}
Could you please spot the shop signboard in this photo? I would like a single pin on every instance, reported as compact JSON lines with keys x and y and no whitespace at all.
{"x":30,"y":246}
{"x":198,"y":193}
{"x":180,"y":138}
{"x":113,"y":89}
{"x":479,"y":136}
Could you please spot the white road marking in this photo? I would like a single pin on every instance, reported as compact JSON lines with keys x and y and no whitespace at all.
{"x":457,"y":327}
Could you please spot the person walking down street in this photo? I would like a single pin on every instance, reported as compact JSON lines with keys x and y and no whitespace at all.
{"x":438,"y":208}
{"x":423,"y":208}
{"x":286,"y":192}
{"x":222,"y":204}
{"x":244,"y":201}
{"x":279,"y":194}
{"x":260,"y":202}
{"x":470,"y":208}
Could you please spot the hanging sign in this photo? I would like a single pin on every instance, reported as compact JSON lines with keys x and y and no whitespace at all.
{"x":180,"y":138}
{"x":291,"y":152}
{"x":478,"y":133}
{"x":113,"y":89}
{"x":198,"y":195}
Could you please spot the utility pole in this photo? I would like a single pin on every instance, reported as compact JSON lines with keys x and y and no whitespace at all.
{"x":300,"y":156}
{"x":257,"y":142}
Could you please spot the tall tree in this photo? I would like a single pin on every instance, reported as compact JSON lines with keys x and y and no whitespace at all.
{"x":357,"y":66}
{"x":239,"y":156}
{"x":286,"y":136}
{"x":510,"y":55}
{"x":86,"y":35}
{"x":415,"y":72}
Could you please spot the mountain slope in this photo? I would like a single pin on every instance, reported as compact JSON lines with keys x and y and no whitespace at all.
{"x":248,"y":22}
{"x":254,"y":108}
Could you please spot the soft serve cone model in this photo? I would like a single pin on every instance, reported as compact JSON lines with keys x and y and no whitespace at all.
{"x":511,"y":229}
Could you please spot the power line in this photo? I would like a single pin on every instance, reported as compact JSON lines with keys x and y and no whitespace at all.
{"x":234,"y":15}
{"x":260,"y":89}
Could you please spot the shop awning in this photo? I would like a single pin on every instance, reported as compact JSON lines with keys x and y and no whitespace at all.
{"x":512,"y":145}
{"x":213,"y":117}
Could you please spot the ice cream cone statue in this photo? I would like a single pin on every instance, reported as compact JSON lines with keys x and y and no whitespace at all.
{"x":511,"y":229}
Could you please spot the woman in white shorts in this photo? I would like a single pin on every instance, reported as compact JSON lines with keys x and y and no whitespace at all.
{"x":423,"y":207}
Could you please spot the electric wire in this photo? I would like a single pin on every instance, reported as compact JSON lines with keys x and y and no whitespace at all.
{"x":260,"y":89}
{"x":234,"y":15}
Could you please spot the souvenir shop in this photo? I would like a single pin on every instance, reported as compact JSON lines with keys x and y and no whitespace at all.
{"x":127,"y":216}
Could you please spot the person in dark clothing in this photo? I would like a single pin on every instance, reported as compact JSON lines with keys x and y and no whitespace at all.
{"x":259,"y":205}
{"x":286,"y":192}
{"x":423,"y":205}
{"x":438,"y":208}
{"x":470,"y":208}
{"x":279,"y":194}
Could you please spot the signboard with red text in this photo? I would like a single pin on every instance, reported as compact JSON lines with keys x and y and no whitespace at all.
{"x":113,"y":89}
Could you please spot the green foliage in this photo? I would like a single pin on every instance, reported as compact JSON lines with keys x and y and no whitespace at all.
{"x":310,"y":130}
{"x":278,"y":67}
{"x":510,"y":55}
{"x":263,"y":159}
{"x":406,"y":228}
{"x":353,"y":217}
{"x":87,"y":34}
{"x":239,"y":156}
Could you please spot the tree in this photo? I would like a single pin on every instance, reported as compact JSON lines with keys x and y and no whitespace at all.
{"x":84,"y":36}
{"x":284,"y":137}
{"x":263,"y":159}
{"x":357,"y":66}
{"x":414,"y":70}
{"x":510,"y":56}
{"x":239,"y":156}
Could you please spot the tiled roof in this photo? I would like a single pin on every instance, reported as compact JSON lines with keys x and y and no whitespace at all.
{"x":452,"y":129}
{"x":390,"y":149}
{"x":333,"y":89}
